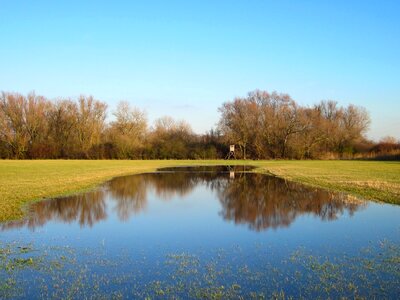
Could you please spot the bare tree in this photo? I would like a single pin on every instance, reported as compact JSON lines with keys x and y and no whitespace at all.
{"x":171,"y":139}
{"x":128,"y":131}
{"x":90,"y":123}
{"x":238,"y":122}
{"x":12,"y":118}
{"x":35,"y":122}
{"x":62,"y":123}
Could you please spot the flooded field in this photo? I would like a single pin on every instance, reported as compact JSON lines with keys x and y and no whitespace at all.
{"x":202,"y":232}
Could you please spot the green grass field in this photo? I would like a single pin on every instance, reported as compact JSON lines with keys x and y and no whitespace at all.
{"x":25,"y":181}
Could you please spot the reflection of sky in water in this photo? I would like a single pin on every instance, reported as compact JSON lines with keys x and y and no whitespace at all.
{"x":206,"y":209}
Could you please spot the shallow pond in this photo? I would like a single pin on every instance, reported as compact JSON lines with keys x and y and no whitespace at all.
{"x":205,"y":232}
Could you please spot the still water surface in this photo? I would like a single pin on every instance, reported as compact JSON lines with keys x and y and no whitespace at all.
{"x":201,"y":233}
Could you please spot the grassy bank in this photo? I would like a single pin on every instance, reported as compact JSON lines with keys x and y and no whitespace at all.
{"x":25,"y":181}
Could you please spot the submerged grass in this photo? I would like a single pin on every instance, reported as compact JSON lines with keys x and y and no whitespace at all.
{"x":217,"y":274}
{"x":22,"y":182}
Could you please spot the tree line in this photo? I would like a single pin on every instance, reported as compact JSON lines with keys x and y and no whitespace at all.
{"x":273,"y":125}
{"x":262,"y":125}
{"x":33,"y":127}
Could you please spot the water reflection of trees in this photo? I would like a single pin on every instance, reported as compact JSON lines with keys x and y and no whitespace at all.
{"x":266,"y":202}
{"x":86,"y":209}
{"x":257,"y":200}
{"x":129,"y":194}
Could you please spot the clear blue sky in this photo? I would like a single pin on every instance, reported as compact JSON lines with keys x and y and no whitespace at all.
{"x":185,"y":58}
